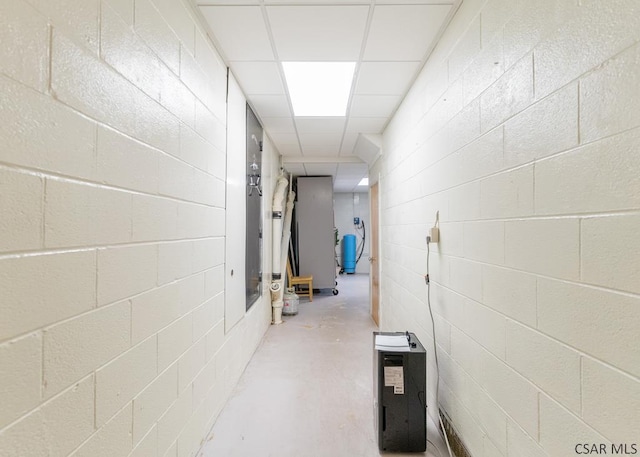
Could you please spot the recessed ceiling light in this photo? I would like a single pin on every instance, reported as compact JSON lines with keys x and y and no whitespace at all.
{"x":319,"y":88}
{"x":364,"y":182}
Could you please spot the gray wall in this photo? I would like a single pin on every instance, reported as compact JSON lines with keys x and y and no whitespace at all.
{"x":346,"y":206}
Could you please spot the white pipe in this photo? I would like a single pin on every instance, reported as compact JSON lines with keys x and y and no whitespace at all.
{"x":276,"y":208}
{"x":276,"y":277}
{"x":286,"y":230}
{"x":277,"y":302}
{"x":284,"y":252}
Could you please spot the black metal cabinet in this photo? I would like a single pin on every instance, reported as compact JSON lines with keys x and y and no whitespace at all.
{"x":400,"y":396}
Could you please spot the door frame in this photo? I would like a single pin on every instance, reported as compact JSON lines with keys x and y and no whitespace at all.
{"x":374,"y":247}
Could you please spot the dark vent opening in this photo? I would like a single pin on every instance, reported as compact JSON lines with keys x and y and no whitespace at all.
{"x":457,"y":446}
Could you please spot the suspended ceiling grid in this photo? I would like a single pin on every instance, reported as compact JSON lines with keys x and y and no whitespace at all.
{"x":388,"y":39}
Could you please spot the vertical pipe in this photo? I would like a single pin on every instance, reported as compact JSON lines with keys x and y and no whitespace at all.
{"x":276,"y":275}
{"x":286,"y":228}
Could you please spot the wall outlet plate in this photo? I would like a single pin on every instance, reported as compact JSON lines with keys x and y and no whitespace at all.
{"x":434,"y":234}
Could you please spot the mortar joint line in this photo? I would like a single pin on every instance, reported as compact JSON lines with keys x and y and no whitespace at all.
{"x":42,"y":377}
{"x":580,"y":249}
{"x":578,"y":114}
{"x":50,"y":62}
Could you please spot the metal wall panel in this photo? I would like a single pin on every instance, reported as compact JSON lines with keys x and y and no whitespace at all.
{"x":316,"y":239}
{"x":254,"y":219}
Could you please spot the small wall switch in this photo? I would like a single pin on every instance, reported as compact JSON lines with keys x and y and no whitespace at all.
{"x":434,"y":234}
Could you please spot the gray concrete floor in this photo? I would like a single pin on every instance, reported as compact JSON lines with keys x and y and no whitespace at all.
{"x":307,"y":391}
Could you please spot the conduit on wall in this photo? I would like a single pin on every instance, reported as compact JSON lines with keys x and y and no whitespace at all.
{"x":286,"y":227}
{"x":280,"y":241}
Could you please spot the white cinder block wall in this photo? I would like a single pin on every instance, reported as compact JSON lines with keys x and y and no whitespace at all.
{"x":523,"y":131}
{"x":112,"y":225}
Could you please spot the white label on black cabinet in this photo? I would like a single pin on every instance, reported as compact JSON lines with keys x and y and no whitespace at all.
{"x":394,"y":377}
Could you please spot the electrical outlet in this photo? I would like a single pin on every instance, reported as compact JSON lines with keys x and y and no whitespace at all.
{"x":434,"y":232}
{"x":434,"y":235}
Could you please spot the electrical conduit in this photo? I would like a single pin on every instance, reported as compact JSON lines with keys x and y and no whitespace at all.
{"x":286,"y":228}
{"x":277,"y":282}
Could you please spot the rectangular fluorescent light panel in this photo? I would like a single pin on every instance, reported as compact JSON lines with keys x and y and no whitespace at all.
{"x":364,"y":182}
{"x":319,"y":88}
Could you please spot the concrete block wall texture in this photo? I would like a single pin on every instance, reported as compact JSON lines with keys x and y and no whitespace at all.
{"x":112,"y":195}
{"x":523,"y":132}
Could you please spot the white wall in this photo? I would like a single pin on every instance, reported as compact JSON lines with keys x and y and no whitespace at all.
{"x":112,"y":231}
{"x":346,"y":206}
{"x":523,"y":132}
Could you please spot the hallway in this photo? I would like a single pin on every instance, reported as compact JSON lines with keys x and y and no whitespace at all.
{"x":307,"y":391}
{"x":142,"y":216}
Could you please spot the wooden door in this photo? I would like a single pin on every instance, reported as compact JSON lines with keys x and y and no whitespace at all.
{"x":375,"y":268}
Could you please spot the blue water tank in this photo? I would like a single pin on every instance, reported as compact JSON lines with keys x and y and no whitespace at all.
{"x":349,"y":253}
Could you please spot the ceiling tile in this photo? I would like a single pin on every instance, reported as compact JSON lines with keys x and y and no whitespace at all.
{"x":286,"y":151}
{"x":366,"y":124}
{"x":352,"y":168}
{"x":352,"y":171}
{"x":231,"y":22}
{"x":296,"y":168}
{"x":385,"y":78}
{"x":321,"y":169}
{"x":270,"y":105}
{"x":307,"y":33}
{"x":404,"y":32}
{"x":342,"y":187}
{"x":286,"y":143}
{"x":320,"y":144}
{"x":320,"y":125}
{"x":278,"y":124}
{"x":258,"y":77}
{"x":374,"y":105}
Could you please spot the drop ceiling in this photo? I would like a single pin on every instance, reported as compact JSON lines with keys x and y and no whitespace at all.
{"x":388,"y":39}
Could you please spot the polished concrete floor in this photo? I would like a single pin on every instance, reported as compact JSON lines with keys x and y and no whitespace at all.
{"x":307,"y":391}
